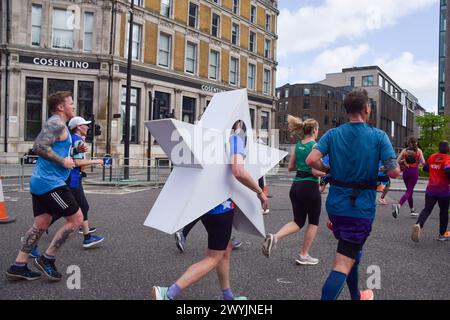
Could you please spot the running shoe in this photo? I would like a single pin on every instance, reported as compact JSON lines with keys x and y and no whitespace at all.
{"x":92,"y":241}
{"x":160,"y":293}
{"x":442,"y":238}
{"x":21,"y":273}
{"x":48,"y":268}
{"x":269,"y":244}
{"x":266,"y":212}
{"x":236,"y":243}
{"x":34,"y":253}
{"x":382,"y":201}
{"x":180,"y":241}
{"x":414,"y":213}
{"x":415,"y":234}
{"x":366,"y":294}
{"x":395,"y":210}
{"x":306,"y":260}
{"x":91,"y":230}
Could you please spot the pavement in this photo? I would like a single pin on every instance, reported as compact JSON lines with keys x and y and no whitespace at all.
{"x":133,"y":258}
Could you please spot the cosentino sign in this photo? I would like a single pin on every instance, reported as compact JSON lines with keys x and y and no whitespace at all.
{"x":59,"y":63}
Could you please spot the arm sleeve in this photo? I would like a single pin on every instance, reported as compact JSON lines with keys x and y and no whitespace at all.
{"x":237,"y":145}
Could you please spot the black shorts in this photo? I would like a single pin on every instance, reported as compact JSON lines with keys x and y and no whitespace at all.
{"x":384,"y":179}
{"x":58,"y":202}
{"x":306,"y":202}
{"x":349,"y":249}
{"x":219,"y":227}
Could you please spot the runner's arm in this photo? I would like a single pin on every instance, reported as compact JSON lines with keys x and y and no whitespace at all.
{"x":82,"y":162}
{"x":50,"y":133}
{"x":314,"y":161}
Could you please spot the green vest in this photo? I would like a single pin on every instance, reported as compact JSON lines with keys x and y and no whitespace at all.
{"x":302,"y":151}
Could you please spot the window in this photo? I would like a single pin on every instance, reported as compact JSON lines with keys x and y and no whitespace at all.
{"x":138,"y":3}
{"x":166,"y":8}
{"x":380,"y":81}
{"x":164,"y":50}
{"x":264,"y":120}
{"x":161,"y":105}
{"x":326,"y":105}
{"x":134,"y":113}
{"x":55,"y":85}
{"x":306,"y":104}
{"x":251,"y":76}
{"x":193,"y":15}
{"x":234,"y":73}
{"x":278,"y":94}
{"x":62,"y":31}
{"x":352,"y":81}
{"x":267,"y":48}
{"x":252,"y":117}
{"x":252,"y":14}
{"x":306,"y":92}
{"x":188,"y":110}
{"x":235,"y":34}
{"x":325,"y":120}
{"x":137,"y":42}
{"x":191,"y":58}
{"x":85,"y":99}
{"x":266,"y":82}
{"x":367,"y":81}
{"x":215,"y":25}
{"x":286,"y":106}
{"x":236,"y":6}
{"x":213,"y":65}
{"x":33,"y":107}
{"x":88,"y":31}
{"x":216,"y":1}
{"x":36,"y":22}
{"x":252,"y":42}
{"x":268,"y":21}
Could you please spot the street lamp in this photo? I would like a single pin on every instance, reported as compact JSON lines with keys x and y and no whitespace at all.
{"x":126,"y":171}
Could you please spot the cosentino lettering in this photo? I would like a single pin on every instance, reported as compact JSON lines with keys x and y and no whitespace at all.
{"x":61,"y":63}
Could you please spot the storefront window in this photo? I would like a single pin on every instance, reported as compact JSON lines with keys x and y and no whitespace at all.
{"x":33,"y":107}
{"x":161,"y":106}
{"x":134,"y":113}
{"x":55,"y":85}
{"x":188,"y":110}
{"x":85,"y":99}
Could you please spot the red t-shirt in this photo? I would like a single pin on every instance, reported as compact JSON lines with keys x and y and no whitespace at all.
{"x":438,"y":184}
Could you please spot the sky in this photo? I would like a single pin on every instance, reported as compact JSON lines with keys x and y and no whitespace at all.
{"x":317,"y":37}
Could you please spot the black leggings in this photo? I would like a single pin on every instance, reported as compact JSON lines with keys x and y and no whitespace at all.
{"x":430,"y":202}
{"x":306,"y":201}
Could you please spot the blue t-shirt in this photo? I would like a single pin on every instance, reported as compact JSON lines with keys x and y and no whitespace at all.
{"x":48,"y":175}
{"x":355,"y":151}
{"x":380,"y":173}
{"x":326,"y":160}
{"x":237,"y":146}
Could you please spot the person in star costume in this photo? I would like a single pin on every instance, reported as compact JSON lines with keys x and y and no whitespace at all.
{"x":218,"y":223}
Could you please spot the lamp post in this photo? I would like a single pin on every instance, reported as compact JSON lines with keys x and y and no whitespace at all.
{"x":126,"y":171}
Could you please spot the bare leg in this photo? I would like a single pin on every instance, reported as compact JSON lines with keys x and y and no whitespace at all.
{"x":287,"y":229}
{"x":200,"y":269}
{"x":31,"y":238}
{"x":73,"y":223}
{"x":310,"y":234}
{"x":85,"y":227}
{"x":223,"y":268}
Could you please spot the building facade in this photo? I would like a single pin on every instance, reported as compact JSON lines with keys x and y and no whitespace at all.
{"x":183,"y":52}
{"x":323,"y":103}
{"x":391,"y":107}
{"x":444,"y":68}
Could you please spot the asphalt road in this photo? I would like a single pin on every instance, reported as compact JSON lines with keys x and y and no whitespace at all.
{"x":134,"y":257}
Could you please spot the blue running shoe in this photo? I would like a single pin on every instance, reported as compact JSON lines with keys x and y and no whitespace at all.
{"x":48,"y":268}
{"x":34,"y":253}
{"x":21,"y":273}
{"x":92,"y":241}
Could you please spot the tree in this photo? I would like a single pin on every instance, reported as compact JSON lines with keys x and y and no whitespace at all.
{"x":434,"y":129}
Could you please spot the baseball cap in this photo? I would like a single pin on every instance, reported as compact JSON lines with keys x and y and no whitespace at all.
{"x":77,"y":121}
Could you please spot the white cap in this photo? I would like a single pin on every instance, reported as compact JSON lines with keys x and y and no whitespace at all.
{"x":77,"y":121}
